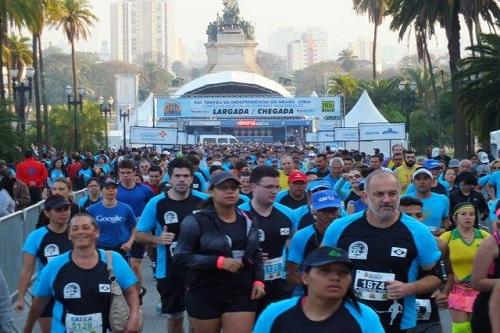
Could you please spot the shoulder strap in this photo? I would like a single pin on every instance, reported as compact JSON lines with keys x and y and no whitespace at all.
{"x":109,"y":256}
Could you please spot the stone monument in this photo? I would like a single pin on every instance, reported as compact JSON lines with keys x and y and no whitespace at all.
{"x":231,"y":42}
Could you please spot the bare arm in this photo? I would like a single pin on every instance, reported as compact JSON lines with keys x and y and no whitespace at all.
{"x":494,"y":309}
{"x":132,"y":298}
{"x":292,"y":273}
{"x":24,"y":280}
{"x":486,"y":253}
{"x":37,"y":307}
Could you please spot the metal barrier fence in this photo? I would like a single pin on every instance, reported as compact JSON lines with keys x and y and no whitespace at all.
{"x":14,"y":229}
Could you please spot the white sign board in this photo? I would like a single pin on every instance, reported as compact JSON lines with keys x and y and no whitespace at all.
{"x":346,"y":134}
{"x":153,"y":135}
{"x":311,"y":137}
{"x":329,"y":125}
{"x":326,"y":136}
{"x":167,"y":124}
{"x":381,"y":131}
{"x":182,"y":138}
{"x":191,"y":140}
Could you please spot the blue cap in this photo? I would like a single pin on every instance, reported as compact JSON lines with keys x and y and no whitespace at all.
{"x":432,"y":164}
{"x":318,"y":184}
{"x":325,"y":199}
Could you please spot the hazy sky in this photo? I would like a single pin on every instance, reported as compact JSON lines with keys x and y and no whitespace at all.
{"x":192,"y":16}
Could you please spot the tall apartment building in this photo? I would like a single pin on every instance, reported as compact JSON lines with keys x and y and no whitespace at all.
{"x":310,"y":49}
{"x":143,"y":30}
{"x":362,"y":48}
{"x":279,"y":40}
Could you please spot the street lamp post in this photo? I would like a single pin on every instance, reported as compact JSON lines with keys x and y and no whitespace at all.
{"x":20,"y":90}
{"x":408,"y":100}
{"x":75,"y":102}
{"x":125,"y":116}
{"x":106,"y":109}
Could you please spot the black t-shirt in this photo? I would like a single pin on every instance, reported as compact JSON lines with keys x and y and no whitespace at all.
{"x":294,"y":320}
{"x":53,"y":244}
{"x":171,"y":213}
{"x":236,"y":235}
{"x":351,"y":197}
{"x":84,"y":291}
{"x":439,"y":189}
{"x":306,"y":220}
{"x":290,"y":202}
{"x":274,"y":231}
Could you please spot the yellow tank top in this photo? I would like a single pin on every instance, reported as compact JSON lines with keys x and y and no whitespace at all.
{"x":462,"y":253}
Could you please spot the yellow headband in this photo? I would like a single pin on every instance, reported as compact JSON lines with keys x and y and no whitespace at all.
{"x":458,"y":211}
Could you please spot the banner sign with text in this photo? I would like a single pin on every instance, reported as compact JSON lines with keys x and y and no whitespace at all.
{"x":346,"y":134}
{"x":153,"y":135}
{"x":327,"y":136}
{"x":381,"y":131}
{"x":325,"y":108}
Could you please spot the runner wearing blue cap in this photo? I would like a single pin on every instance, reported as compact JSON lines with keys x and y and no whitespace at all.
{"x":304,"y":213}
{"x":326,"y":208}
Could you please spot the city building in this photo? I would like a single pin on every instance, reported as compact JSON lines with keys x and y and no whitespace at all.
{"x":144,"y":30}
{"x":310,"y":49}
{"x":279,"y":40}
{"x":361,"y":48}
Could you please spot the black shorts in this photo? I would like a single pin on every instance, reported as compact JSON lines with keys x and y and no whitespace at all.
{"x":173,"y":296}
{"x":204,"y":308}
{"x":137,"y":250}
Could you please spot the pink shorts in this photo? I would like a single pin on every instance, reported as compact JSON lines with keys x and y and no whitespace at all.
{"x":462,"y":297}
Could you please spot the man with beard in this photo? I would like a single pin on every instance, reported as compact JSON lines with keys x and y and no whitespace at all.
{"x":386,"y":248}
{"x":404,"y":172}
{"x":164,"y":214}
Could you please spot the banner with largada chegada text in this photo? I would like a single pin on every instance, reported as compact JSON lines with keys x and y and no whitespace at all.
{"x":324,"y":108}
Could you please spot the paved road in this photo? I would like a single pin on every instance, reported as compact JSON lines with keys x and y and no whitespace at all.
{"x":154,"y":323}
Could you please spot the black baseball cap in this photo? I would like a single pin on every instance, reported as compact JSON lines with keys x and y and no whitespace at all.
{"x":221,"y":177}
{"x":56,"y":201}
{"x":324,"y":256}
{"x":109,"y":182}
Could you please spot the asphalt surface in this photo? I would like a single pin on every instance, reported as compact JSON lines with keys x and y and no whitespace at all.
{"x":154,"y":323}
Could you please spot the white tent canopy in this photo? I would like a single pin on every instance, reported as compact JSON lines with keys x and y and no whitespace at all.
{"x":366,"y":112}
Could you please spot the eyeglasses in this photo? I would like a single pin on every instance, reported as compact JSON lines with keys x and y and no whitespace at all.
{"x":270,"y":187}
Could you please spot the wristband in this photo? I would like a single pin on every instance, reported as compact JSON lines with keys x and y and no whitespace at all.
{"x":220,"y":262}
{"x":259,"y":283}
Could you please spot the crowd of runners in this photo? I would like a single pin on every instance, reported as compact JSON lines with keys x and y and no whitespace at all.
{"x":262,"y":238}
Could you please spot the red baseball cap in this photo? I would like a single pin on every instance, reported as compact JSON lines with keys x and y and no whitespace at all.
{"x":297,"y":176}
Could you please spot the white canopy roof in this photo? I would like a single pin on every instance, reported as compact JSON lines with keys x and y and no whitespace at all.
{"x":233,"y":76}
{"x":364,"y":112}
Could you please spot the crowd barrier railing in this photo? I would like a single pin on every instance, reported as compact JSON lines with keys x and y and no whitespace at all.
{"x":14,"y":229}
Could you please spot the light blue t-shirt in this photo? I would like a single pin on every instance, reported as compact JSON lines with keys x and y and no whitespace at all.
{"x":436,"y":208}
{"x":495,"y":181}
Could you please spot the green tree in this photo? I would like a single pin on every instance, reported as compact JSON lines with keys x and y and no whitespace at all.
{"x":155,"y":79}
{"x":271,"y":64}
{"x":17,"y":53}
{"x":347,"y":60}
{"x":315,"y":78}
{"x":75,"y":18}
{"x":479,"y":94}
{"x":376,"y":10}
{"x":344,"y":84}
{"x":13,"y":13}
{"x":91,"y":125}
{"x":11,"y":141}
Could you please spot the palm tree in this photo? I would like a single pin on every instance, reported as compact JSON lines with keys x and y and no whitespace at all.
{"x":18,"y":53}
{"x":347,"y":60}
{"x":345,"y":84}
{"x":376,"y":10}
{"x":381,"y":91}
{"x":13,"y":13}
{"x":75,"y":18}
{"x":480,"y":77}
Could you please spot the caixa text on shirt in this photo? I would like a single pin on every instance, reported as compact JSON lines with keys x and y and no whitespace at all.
{"x":270,"y":111}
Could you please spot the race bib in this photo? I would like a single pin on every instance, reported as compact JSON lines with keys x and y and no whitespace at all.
{"x":172,"y":248}
{"x":273,"y":269}
{"x":372,"y":286}
{"x":89,"y":323}
{"x":424,"y":309}
{"x":238,"y":254}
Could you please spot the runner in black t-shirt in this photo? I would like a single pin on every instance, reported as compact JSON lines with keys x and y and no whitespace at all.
{"x":295,"y":196}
